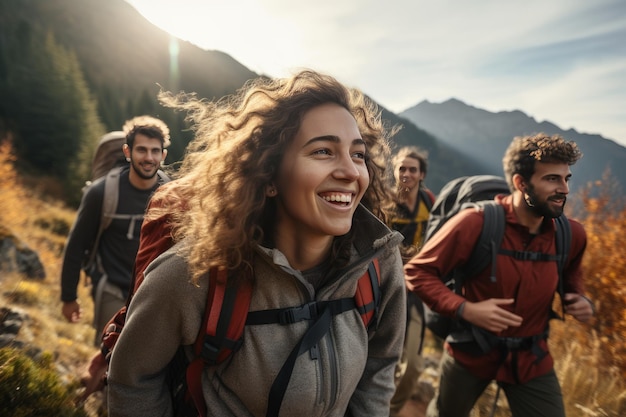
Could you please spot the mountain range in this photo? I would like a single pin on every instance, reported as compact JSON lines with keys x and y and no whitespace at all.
{"x":126,"y":60}
{"x":483,"y":137}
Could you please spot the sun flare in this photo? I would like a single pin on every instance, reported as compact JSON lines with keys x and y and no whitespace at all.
{"x":247,"y":30}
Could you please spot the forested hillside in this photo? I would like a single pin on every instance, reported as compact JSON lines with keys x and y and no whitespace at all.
{"x":70,"y":70}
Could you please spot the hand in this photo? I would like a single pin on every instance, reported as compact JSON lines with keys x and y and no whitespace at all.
{"x":71,"y":311}
{"x":578,"y":306}
{"x":111,"y":334}
{"x":93,"y":379}
{"x":490,"y":316}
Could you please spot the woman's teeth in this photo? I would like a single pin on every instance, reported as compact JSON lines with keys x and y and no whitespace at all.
{"x":338,"y":198}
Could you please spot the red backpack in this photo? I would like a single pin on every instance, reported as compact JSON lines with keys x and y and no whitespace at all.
{"x":226,"y":315}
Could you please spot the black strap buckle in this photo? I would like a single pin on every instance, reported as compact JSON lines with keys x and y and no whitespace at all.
{"x":306,"y":311}
{"x":527,"y":256}
{"x":514,"y":343}
{"x":209,"y":350}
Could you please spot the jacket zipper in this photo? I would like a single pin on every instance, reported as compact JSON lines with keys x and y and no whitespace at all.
{"x":331,"y":353}
{"x":315,"y":352}
{"x":333,"y":369}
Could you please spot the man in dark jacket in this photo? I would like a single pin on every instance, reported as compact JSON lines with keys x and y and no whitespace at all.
{"x":146,"y":139}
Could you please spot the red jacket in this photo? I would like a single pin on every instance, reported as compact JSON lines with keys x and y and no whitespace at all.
{"x":531,"y":284}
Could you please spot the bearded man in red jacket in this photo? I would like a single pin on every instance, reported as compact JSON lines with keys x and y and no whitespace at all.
{"x":514,"y":311}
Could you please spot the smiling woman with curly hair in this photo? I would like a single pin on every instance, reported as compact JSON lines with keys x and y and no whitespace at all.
{"x":284,"y":185}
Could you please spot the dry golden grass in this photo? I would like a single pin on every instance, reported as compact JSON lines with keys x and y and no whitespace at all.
{"x":592,"y":384}
{"x":29,"y":217}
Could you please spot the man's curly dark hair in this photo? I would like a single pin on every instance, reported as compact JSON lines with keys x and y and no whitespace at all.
{"x":524,"y":151}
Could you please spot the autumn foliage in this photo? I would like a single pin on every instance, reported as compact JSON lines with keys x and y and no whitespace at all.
{"x":605,"y":269}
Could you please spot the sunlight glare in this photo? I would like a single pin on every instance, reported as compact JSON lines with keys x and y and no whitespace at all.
{"x":245,"y":30}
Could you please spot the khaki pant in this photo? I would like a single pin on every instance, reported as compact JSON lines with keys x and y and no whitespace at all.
{"x":459,"y":390}
{"x":411,"y":362}
{"x":109,"y":298}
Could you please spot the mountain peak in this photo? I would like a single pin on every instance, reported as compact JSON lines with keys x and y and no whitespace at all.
{"x":455,"y":101}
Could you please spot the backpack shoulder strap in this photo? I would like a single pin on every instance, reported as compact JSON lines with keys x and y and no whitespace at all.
{"x":563,"y":241}
{"x":225,"y":317}
{"x":111,"y":197}
{"x":109,"y":205}
{"x":163,"y":177}
{"x":222,"y":329}
{"x":426,"y":197}
{"x":367,"y":296}
{"x":563,"y":245}
{"x":485,"y":251}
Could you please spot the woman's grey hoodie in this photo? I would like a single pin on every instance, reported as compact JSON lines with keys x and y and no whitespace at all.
{"x":351,"y":373}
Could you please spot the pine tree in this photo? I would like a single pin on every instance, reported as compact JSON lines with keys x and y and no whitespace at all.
{"x":47,"y":102}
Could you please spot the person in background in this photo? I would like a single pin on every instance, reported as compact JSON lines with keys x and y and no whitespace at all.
{"x":146,"y":140}
{"x":413,"y":204}
{"x":512,"y":316}
{"x":283,"y":185}
{"x":413,"y":198}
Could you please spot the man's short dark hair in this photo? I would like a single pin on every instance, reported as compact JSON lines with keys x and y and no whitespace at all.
{"x":147,"y":125}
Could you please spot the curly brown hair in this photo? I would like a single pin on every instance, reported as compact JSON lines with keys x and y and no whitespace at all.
{"x":524,"y":151}
{"x":236,"y":153}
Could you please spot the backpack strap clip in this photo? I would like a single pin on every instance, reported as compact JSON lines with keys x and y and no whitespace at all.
{"x":308,"y":311}
{"x":527,"y":256}
{"x":213,"y":346}
{"x":530,"y":256}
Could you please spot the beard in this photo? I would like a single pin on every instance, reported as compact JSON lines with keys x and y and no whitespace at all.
{"x":141,"y":173}
{"x":543,"y":208}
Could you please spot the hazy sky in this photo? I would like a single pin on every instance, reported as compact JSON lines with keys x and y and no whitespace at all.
{"x":557,"y":60}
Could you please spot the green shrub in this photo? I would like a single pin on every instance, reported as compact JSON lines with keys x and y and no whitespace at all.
{"x":33,"y":388}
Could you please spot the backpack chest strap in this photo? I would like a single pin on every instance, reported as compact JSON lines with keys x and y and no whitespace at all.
{"x":530,"y":256}
{"x":308,"y":311}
